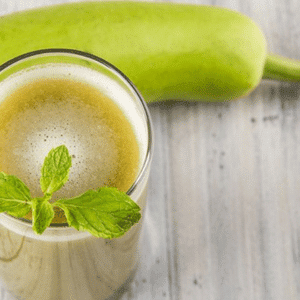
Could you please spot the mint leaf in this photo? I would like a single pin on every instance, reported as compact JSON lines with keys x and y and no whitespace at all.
{"x":42,"y":214}
{"x":14,"y":196}
{"x":55,"y":170}
{"x":106,"y":213}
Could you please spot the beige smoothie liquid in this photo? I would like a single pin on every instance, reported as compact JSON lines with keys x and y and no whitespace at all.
{"x":104,"y":135}
{"x":50,"y":112}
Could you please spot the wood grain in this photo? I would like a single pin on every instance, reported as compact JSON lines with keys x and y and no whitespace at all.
{"x":223,"y":216}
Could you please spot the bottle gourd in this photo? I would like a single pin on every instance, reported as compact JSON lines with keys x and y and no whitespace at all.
{"x":168,"y":50}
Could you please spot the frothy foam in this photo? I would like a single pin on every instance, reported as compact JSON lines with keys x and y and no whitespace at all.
{"x":48,"y":131}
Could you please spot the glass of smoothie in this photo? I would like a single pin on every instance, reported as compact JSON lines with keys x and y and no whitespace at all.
{"x":60,"y":96}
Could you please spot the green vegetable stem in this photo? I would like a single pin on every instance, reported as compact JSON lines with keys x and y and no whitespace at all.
{"x":281,"y":68}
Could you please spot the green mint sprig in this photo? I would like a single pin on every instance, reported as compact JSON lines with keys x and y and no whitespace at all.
{"x":105,"y":212}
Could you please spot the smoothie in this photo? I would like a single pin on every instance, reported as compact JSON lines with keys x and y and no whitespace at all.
{"x":105,"y":125}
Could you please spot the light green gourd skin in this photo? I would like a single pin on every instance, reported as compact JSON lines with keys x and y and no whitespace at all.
{"x":169,"y":51}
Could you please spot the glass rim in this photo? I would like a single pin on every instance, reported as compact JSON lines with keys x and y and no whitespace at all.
{"x":149,"y":150}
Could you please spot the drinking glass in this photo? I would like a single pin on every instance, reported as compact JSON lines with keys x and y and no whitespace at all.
{"x":64,"y":263}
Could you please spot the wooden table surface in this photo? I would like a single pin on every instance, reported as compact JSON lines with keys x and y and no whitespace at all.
{"x":223,"y":217}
